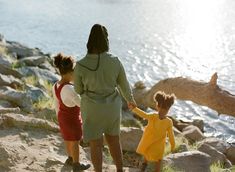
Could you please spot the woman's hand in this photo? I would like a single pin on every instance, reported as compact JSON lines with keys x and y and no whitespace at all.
{"x":131,"y":105}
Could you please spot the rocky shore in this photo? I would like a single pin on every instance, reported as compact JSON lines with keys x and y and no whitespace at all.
{"x":30,"y":138}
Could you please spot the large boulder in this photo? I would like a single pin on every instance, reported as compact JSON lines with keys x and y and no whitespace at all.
{"x":26,"y":122}
{"x":19,"y":98}
{"x":218,"y":144}
{"x":9,"y":71}
{"x":36,"y":94}
{"x":8,"y":80}
{"x":47,"y":65}
{"x":33,"y":61}
{"x":130,"y":138}
{"x":216,"y":156}
{"x":191,"y":161}
{"x":39,"y":73}
{"x":230,"y":153}
{"x":193,"y":133}
{"x":5,"y":61}
{"x":22,"y":50}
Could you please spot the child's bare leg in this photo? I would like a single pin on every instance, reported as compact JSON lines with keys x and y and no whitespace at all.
{"x":144,"y":165}
{"x":67,"y":147}
{"x":75,"y":151}
{"x":158,"y":166}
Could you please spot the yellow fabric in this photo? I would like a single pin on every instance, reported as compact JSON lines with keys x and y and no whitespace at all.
{"x":152,"y":143}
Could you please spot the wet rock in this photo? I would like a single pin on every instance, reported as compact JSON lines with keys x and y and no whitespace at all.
{"x":39,"y":73}
{"x":216,"y":156}
{"x":193,"y":133}
{"x":191,"y":161}
{"x":130,"y":138}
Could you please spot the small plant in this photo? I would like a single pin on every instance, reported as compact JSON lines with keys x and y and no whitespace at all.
{"x":43,"y":103}
{"x":31,"y":80}
{"x":168,"y":168}
{"x":216,"y":167}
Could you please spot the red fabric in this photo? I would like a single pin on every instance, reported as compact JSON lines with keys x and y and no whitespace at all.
{"x":69,"y":118}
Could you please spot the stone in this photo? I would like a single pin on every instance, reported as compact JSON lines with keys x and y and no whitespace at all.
{"x":2,"y":39}
{"x":130,"y":138}
{"x":230,"y":153}
{"x":39,"y":73}
{"x":181,"y":125}
{"x":36,"y":94}
{"x":5,"y":104}
{"x":199,"y":123}
{"x":26,"y":122}
{"x":216,"y":156}
{"x":193,"y":133}
{"x":11,"y":81}
{"x":33,"y":61}
{"x":218,"y":144}
{"x":5,"y":61}
{"x":22,"y":50}
{"x":47,"y":65}
{"x":191,"y":161}
{"x":19,"y":98}
{"x":9,"y":71}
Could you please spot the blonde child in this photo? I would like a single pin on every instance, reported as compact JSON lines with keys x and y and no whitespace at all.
{"x":67,"y":105}
{"x":152,"y":143}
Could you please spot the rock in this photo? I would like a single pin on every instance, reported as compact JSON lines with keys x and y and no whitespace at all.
{"x":216,"y":156}
{"x":193,"y":133}
{"x":11,"y":81}
{"x":22,"y":50}
{"x":191,"y":161}
{"x":17,"y":97}
{"x":230,"y":153}
{"x":9,"y":71}
{"x":2,"y":39}
{"x":9,"y":110}
{"x":5,"y":158}
{"x":46,"y":65}
{"x":130,"y":138}
{"x":25,"y":122}
{"x":199,"y":123}
{"x":181,"y":125}
{"x":33,"y":61}
{"x":128,"y":120}
{"x":218,"y":144}
{"x":176,"y":131}
{"x":183,"y":148}
{"x":36,"y":94}
{"x":5,"y":61}
{"x":39,"y":73}
{"x":5,"y":104}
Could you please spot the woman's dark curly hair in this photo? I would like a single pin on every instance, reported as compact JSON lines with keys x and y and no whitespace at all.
{"x":65,"y":64}
{"x":98,"y":39}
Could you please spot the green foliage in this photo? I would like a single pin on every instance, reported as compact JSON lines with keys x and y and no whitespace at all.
{"x":216,"y":167}
{"x":179,"y":140}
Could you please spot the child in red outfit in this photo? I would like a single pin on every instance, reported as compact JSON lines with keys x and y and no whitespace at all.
{"x":67,"y":104}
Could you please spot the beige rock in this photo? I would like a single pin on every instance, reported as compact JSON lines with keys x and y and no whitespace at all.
{"x":218,"y":144}
{"x":191,"y":161}
{"x":216,"y":156}
{"x":193,"y":133}
{"x":130,"y":138}
{"x":230,"y":153}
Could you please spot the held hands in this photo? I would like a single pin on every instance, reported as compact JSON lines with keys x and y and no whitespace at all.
{"x":131,"y":105}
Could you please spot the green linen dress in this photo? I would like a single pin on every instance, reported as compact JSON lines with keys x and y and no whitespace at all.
{"x":100,"y":94}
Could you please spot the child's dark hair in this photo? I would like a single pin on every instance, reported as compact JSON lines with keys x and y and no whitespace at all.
{"x":163,"y":100}
{"x":64,"y":63}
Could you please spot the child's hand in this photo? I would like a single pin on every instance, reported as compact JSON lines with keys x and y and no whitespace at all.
{"x":131,"y":105}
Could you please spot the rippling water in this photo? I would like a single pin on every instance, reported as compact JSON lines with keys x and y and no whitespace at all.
{"x":155,"y":39}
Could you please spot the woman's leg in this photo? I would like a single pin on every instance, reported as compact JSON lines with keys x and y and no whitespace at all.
{"x":67,"y":146}
{"x":75,"y":151}
{"x":158,"y":166}
{"x":96,"y":153}
{"x":115,"y":150}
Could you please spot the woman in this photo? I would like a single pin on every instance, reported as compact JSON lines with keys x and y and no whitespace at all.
{"x":99,"y":77}
{"x":67,"y":104}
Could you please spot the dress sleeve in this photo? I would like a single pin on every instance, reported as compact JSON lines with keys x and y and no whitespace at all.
{"x":69,"y":96}
{"x":123,"y":85}
{"x":142,"y":114}
{"x":171,"y":136}
{"x":78,"y":85}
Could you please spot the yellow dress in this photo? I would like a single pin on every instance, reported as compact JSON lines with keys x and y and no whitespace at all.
{"x":152,"y":143}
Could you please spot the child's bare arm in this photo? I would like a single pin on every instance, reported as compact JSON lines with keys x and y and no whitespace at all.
{"x":141,"y":113}
{"x":171,"y":136}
